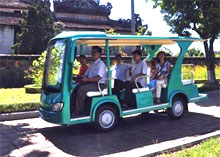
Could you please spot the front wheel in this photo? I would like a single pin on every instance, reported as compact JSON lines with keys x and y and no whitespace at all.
{"x":106,"y":118}
{"x":178,"y":108}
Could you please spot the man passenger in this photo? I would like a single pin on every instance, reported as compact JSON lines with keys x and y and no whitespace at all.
{"x":139,"y":69}
{"x":119,"y":73}
{"x":90,"y":79}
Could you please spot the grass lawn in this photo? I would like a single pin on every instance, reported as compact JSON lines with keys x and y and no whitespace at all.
{"x":208,"y":148}
{"x":15,"y":99}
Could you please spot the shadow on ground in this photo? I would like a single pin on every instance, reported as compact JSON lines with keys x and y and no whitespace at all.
{"x":213,"y":99}
{"x":131,"y":133}
{"x":13,"y":138}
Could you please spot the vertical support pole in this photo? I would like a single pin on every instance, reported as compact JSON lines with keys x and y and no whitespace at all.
{"x":108,"y":67}
{"x":132,"y":18}
{"x":81,"y":50}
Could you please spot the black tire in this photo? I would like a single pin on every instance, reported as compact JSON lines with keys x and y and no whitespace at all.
{"x":145,"y":114}
{"x":178,"y":108}
{"x":106,"y":118}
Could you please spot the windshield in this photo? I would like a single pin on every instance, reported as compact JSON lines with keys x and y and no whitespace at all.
{"x":54,"y":63}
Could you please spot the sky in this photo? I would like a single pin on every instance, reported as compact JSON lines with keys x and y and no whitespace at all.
{"x":152,"y":17}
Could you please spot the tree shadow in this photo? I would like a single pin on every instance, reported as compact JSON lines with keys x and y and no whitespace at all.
{"x":131,"y":133}
{"x":14,"y":138}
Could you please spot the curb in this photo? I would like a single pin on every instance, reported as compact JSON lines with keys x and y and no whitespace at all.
{"x":168,"y":146}
{"x":18,"y":115}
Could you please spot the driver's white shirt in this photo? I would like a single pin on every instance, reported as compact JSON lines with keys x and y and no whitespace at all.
{"x":98,"y":68}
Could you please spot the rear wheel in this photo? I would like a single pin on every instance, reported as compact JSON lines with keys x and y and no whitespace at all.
{"x":106,"y":118}
{"x":178,"y":108}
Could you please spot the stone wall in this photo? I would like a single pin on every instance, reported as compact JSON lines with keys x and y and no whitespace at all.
{"x":12,"y":68}
{"x":6,"y":39}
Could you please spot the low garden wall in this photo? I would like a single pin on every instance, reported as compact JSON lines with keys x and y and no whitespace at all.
{"x":12,"y":68}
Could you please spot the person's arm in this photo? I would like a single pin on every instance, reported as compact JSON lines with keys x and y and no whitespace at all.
{"x":94,"y":79}
{"x":143,"y":72}
{"x":101,"y":71}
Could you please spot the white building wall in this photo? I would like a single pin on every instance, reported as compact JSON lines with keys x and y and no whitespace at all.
{"x":6,"y":39}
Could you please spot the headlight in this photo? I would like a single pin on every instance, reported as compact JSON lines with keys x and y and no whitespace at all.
{"x":57,"y":107}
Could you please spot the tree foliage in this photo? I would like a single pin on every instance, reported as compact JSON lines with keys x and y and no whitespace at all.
{"x":36,"y":29}
{"x":194,"y":53}
{"x":201,"y":16}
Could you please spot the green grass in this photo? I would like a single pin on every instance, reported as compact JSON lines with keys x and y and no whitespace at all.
{"x":208,"y":148}
{"x":15,"y":99}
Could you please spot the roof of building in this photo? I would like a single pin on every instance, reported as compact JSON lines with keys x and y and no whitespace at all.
{"x":15,"y":4}
{"x":82,"y":6}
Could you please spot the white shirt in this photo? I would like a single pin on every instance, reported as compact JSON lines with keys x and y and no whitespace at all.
{"x":139,"y":68}
{"x":120,"y":71}
{"x":98,"y":68}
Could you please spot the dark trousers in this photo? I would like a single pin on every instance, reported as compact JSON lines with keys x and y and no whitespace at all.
{"x":130,"y":99}
{"x":118,"y":86}
{"x":79,"y":95}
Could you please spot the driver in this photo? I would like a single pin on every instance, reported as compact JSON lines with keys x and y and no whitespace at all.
{"x":90,"y":79}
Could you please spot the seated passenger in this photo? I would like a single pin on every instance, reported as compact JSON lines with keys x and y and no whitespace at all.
{"x":82,"y":69}
{"x":139,"y":69}
{"x":151,"y":65}
{"x":83,"y":66}
{"x":119,"y":73}
{"x":90,"y":80}
{"x":162,"y":69}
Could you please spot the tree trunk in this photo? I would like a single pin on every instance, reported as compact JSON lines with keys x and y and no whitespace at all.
{"x":210,"y":60}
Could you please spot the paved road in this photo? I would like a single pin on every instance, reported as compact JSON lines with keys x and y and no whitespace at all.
{"x":35,"y":137}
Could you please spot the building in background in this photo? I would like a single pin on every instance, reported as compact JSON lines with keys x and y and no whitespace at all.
{"x":10,"y":14}
{"x":75,"y":15}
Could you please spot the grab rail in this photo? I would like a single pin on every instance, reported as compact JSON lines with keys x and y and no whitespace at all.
{"x":147,"y":77}
{"x":99,"y":82}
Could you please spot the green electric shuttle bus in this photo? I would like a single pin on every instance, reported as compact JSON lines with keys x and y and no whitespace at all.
{"x":104,"y":108}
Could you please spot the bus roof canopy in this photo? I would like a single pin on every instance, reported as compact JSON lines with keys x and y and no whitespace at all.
{"x":99,"y":38}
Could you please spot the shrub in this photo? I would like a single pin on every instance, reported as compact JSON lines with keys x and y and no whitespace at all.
{"x":32,"y":89}
{"x":35,"y":71}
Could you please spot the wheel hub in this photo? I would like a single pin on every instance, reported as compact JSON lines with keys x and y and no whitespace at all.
{"x":106,"y":119}
{"x":178,"y":108}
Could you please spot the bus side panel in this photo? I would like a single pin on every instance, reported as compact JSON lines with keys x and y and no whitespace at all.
{"x":144,"y":99}
{"x":98,"y":101}
{"x":191,"y":91}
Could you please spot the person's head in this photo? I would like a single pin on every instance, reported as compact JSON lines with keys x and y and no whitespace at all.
{"x":136,"y":55}
{"x":150,"y":64}
{"x":82,"y":59}
{"x":161,"y":56}
{"x":118,"y":59}
{"x":96,"y":52}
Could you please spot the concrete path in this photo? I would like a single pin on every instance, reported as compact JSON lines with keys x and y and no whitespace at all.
{"x":136,"y":135}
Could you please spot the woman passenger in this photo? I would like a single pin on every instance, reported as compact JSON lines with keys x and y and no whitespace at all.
{"x":162,"y":69}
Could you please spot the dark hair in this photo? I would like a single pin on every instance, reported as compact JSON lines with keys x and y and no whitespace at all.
{"x":161,"y":52}
{"x":118,"y":56}
{"x":138,"y":52}
{"x":97,"y":48}
{"x":82,"y":56}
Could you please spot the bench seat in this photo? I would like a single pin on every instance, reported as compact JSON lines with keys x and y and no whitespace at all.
{"x":97,"y":93}
{"x":135,"y":90}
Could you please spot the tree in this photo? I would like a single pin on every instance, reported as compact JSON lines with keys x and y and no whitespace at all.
{"x":201,"y":16}
{"x":194,"y":53}
{"x":36,"y":29}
